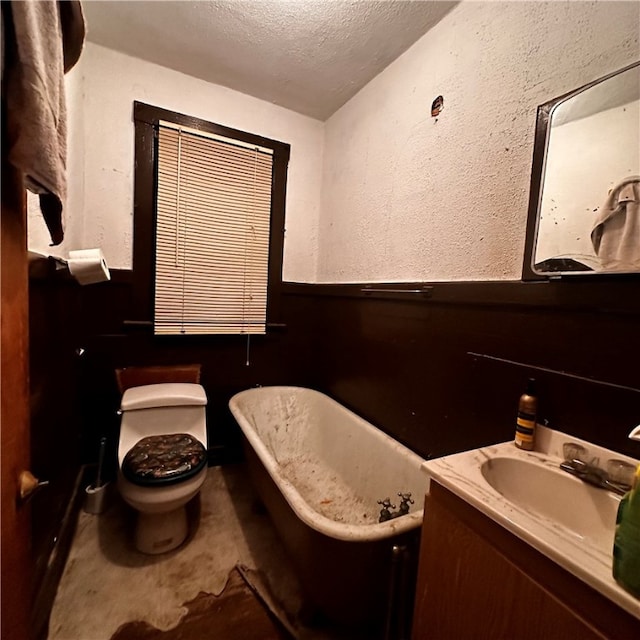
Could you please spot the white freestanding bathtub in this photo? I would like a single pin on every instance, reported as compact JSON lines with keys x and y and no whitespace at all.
{"x":320,"y":470}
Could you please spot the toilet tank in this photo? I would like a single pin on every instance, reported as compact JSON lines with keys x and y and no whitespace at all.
{"x":158,"y":409}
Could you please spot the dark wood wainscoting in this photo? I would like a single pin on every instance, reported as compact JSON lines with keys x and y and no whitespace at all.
{"x":440,"y":371}
{"x":443,"y":373}
{"x":438,"y":367}
{"x":55,"y":364}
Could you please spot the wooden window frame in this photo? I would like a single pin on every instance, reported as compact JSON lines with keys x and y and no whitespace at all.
{"x":146,"y":119}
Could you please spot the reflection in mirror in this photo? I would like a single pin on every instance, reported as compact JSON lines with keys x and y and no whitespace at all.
{"x":589,"y":204}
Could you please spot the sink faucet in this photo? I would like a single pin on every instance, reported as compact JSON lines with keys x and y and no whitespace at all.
{"x":593,"y":474}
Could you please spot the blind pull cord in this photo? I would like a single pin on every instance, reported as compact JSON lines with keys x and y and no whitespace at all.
{"x":247,"y":363}
{"x":184,"y":232}
{"x":178,"y":175}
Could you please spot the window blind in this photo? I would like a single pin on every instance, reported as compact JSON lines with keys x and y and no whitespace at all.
{"x":212,"y":234}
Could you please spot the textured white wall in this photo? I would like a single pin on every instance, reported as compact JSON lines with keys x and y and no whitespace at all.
{"x":110,"y":83}
{"x":406,"y":198}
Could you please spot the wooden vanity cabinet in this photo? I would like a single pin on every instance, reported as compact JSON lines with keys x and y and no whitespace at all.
{"x":477,"y":580}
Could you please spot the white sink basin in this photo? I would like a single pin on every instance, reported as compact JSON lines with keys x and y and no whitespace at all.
{"x":587,"y":512}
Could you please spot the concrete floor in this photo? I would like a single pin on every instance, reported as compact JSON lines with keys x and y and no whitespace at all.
{"x":107,"y":583}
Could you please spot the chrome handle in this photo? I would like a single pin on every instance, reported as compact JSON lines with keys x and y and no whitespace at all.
{"x":28,"y":484}
{"x":574,"y":451}
{"x":423,"y":291}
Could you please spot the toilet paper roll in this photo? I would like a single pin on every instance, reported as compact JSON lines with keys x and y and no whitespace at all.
{"x":88,"y":266}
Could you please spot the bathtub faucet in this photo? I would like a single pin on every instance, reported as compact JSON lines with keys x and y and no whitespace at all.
{"x":405,"y":501}
{"x":387,"y":514}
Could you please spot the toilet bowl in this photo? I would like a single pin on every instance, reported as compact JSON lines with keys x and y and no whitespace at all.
{"x":162,"y":459}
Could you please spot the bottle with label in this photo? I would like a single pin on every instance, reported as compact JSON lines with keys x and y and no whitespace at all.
{"x":626,"y":544}
{"x":526,"y":421}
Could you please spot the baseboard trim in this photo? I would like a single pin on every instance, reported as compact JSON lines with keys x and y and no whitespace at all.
{"x":45,"y":595}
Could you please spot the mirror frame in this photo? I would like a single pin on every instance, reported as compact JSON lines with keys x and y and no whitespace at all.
{"x":543,"y":128}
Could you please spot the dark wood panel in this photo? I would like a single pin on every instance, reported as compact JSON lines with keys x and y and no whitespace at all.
{"x":55,"y":372}
{"x":443,"y":378}
{"x":468,"y":590}
{"x":439,"y":376}
{"x":606,"y":294}
{"x":55,"y":369}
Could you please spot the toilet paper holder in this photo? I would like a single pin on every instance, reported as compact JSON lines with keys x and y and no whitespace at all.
{"x":87,"y":266}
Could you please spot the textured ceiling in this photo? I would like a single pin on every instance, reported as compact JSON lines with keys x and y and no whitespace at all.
{"x":310,"y":56}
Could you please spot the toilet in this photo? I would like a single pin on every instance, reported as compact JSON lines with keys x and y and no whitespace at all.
{"x":162,"y":459}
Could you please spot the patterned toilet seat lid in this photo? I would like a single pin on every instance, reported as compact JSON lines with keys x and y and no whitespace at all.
{"x":164,"y":459}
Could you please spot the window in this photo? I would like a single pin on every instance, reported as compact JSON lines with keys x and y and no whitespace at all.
{"x":209,"y":225}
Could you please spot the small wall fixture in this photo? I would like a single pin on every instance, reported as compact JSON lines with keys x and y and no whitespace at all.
{"x":437,"y":106}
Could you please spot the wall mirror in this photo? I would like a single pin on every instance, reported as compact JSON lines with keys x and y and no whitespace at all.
{"x":584,"y":210}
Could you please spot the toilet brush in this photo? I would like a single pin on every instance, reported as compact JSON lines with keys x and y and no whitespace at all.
{"x":95,"y":495}
{"x":103,"y":446}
